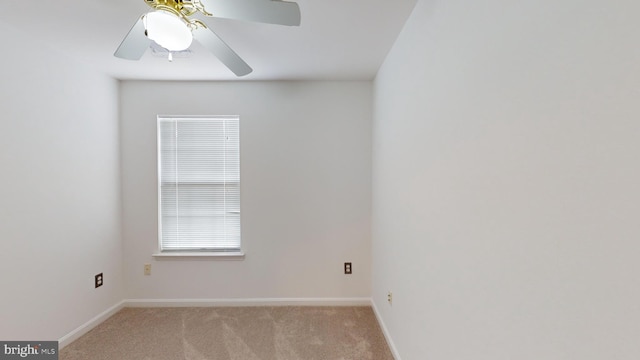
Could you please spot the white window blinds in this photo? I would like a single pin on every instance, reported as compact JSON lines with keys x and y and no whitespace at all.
{"x":199,"y":183}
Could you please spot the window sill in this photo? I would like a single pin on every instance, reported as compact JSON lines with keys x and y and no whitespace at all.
{"x":238,"y":255}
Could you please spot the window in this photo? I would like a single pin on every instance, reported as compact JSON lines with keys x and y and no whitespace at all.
{"x":199,"y":184}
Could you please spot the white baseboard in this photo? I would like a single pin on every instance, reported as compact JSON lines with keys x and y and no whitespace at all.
{"x":86,"y":327}
{"x":247,"y":302}
{"x":385,"y":331}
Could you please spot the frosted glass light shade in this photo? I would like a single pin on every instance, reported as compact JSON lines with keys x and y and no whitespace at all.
{"x":168,"y":30}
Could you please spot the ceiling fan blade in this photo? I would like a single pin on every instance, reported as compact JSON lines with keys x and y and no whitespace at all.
{"x":134,"y":44}
{"x":222,"y":51}
{"x":266,"y":11}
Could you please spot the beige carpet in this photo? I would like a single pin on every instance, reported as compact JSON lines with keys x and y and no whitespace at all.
{"x":234,"y":333}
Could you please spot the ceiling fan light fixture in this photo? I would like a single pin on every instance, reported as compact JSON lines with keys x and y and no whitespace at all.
{"x":168,"y":30}
{"x":171,"y":27}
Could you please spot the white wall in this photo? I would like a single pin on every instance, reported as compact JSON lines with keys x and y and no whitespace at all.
{"x":59,"y":192}
{"x":505,"y":178}
{"x":305,"y":182}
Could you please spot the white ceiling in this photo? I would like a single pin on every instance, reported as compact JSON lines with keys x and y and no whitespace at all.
{"x":338,"y":39}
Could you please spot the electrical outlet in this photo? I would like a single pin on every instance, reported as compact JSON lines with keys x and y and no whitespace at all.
{"x":347,"y":268}
{"x":147,"y":269}
{"x":390,"y":298}
{"x":99,"y":280}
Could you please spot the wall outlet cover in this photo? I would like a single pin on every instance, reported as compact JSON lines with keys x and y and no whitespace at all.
{"x":99,"y":280}
{"x":347,"y":268}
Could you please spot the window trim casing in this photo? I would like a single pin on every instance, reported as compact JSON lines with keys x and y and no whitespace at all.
{"x":187,"y":254}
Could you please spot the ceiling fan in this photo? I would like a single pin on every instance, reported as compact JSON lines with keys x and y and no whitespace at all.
{"x":170,"y":26}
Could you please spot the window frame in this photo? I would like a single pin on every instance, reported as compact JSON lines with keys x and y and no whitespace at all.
{"x":224,"y":254}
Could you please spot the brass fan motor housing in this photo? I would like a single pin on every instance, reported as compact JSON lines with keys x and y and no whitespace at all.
{"x":182,"y":8}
